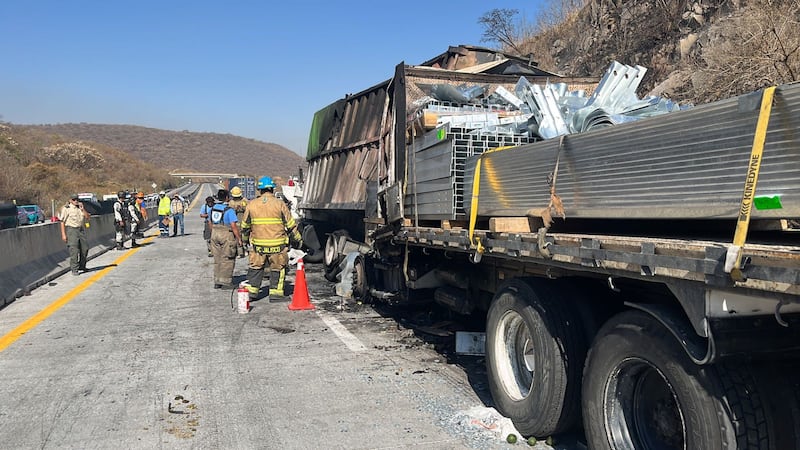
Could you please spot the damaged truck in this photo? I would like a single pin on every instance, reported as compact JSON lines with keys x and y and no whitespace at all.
{"x":637,"y":262}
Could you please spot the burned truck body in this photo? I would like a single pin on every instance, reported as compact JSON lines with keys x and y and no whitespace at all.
{"x":634,"y":259}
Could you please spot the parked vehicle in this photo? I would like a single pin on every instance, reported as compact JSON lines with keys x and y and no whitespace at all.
{"x":8,"y":215}
{"x":22,"y":217}
{"x":35,"y":213}
{"x":603,"y":262}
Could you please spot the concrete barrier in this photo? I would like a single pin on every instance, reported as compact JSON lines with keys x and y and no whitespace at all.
{"x":35,"y":255}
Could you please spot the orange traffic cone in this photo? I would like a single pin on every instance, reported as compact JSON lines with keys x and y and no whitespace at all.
{"x":300,"y":296}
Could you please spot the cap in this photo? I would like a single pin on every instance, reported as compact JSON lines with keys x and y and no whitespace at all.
{"x":73,"y":197}
{"x":176,"y":196}
{"x":162,"y":193}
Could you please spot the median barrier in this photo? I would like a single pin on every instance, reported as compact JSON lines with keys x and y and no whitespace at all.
{"x":35,"y":255}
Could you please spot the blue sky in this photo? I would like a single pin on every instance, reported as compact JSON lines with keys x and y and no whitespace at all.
{"x":255,"y":69}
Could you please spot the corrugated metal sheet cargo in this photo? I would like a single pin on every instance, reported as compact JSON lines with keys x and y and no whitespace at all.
{"x":685,"y":165}
{"x":353,"y":140}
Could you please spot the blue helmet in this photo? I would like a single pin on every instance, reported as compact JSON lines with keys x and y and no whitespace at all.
{"x":265,"y":182}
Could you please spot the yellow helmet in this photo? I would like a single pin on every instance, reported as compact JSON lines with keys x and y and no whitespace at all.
{"x":236,"y":191}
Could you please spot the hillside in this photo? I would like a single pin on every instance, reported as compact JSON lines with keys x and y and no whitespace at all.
{"x":696,"y":51}
{"x":39,"y":168}
{"x":186,"y":151}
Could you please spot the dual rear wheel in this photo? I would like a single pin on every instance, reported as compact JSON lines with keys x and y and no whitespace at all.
{"x":636,"y":388}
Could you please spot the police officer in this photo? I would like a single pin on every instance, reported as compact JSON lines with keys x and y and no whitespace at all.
{"x":225,"y":238}
{"x":272,"y":229}
{"x":72,"y":217}
{"x":239,"y":204}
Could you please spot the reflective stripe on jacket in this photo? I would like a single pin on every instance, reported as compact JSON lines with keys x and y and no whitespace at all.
{"x":269,"y":221}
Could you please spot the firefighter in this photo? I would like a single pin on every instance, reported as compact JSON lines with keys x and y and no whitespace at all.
{"x":239,"y":204}
{"x":225,"y":238}
{"x":272,"y":229}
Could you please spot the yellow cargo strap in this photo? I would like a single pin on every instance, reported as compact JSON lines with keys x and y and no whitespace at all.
{"x":754,"y":166}
{"x":473,"y":213}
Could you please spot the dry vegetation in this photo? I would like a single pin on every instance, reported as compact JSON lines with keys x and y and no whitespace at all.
{"x":39,"y":168}
{"x":42,"y":163}
{"x":187,"y":151}
{"x":695,"y":51}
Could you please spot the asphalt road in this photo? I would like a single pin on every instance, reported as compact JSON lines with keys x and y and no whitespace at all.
{"x":142,"y":352}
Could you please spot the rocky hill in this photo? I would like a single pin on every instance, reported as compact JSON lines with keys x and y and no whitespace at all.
{"x":41,"y":168}
{"x":695,"y":50}
{"x":185,"y":151}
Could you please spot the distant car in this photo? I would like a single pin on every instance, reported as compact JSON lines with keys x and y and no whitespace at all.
{"x":35,"y":214}
{"x":22,"y":217}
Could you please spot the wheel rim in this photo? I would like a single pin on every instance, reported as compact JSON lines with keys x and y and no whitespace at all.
{"x":330,"y":251}
{"x":514,"y":356}
{"x":641,"y":408}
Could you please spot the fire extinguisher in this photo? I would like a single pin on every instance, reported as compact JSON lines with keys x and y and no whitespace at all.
{"x":243,"y":296}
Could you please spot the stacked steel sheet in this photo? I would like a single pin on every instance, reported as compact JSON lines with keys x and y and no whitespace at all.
{"x":436,"y":168}
{"x":689,"y":164}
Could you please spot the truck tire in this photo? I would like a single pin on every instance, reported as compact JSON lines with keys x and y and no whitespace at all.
{"x":641,"y":390}
{"x":332,"y":257}
{"x":311,"y":241}
{"x":534,"y":356}
{"x":360,"y":279}
{"x":781,"y":385}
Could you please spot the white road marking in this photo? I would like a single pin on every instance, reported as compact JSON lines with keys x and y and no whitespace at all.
{"x":347,"y":337}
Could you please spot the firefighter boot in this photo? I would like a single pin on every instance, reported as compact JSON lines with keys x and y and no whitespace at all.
{"x":276,"y":279}
{"x":254,"y":278}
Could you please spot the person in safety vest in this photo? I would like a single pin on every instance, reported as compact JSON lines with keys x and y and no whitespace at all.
{"x":272,"y":229}
{"x":239,"y":204}
{"x":225,"y":239}
{"x":163,"y":214}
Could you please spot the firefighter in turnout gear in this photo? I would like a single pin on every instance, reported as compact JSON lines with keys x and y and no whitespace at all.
{"x":239,"y":204}
{"x":225,"y":239}
{"x":272,"y":230}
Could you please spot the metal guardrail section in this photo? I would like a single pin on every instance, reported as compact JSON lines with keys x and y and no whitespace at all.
{"x":688,"y":164}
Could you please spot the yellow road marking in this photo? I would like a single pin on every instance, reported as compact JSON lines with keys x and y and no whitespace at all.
{"x":39,"y":317}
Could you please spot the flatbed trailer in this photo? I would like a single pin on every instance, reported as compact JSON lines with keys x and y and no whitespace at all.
{"x":645,"y":334}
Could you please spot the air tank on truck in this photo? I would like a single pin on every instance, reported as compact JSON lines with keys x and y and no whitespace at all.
{"x":634,"y":259}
